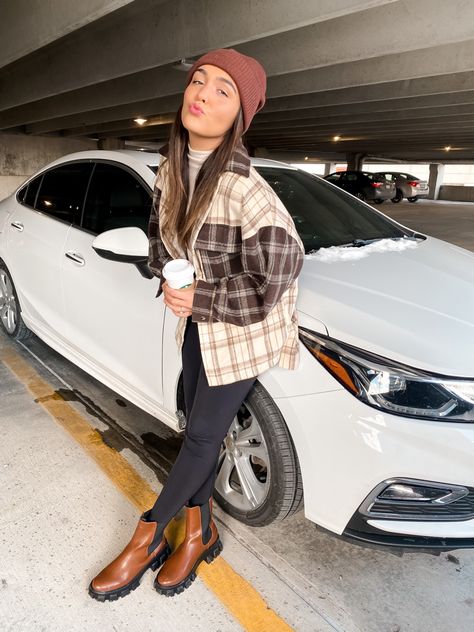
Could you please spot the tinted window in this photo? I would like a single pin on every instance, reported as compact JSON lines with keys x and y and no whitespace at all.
{"x":326,"y":216}
{"x":375,"y":177}
{"x":115,"y":199}
{"x":334,"y":177}
{"x":62,"y":191}
{"x":31,"y":191}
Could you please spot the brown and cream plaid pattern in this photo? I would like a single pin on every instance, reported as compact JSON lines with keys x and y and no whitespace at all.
{"x":247,"y":255}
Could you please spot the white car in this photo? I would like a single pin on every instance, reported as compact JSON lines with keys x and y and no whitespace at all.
{"x":375,"y":427}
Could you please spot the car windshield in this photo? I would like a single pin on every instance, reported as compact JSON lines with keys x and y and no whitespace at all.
{"x":324,"y":214}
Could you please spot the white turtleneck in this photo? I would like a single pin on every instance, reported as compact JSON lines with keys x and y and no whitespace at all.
{"x":195,"y":160}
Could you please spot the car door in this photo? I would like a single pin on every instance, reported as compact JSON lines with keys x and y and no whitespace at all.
{"x":115,"y":320}
{"x":38,"y":230}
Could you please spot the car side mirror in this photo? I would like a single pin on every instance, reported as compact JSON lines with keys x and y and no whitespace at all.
{"x":128,"y":245}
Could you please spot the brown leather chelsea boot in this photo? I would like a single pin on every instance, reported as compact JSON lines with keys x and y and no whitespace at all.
{"x":148,"y":548}
{"x":201,"y":543}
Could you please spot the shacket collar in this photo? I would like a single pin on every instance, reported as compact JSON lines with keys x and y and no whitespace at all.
{"x":239,"y":161}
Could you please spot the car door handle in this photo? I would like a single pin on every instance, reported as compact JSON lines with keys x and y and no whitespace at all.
{"x":75,"y":257}
{"x":17,"y":225}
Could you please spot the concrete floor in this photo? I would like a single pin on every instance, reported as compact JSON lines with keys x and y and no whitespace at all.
{"x":62,"y":519}
{"x":451,"y":221}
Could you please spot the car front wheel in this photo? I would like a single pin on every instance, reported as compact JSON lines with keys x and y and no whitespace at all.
{"x":11,"y":321}
{"x":258,"y":476}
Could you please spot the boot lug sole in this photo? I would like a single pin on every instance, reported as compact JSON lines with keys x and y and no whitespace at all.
{"x":123,"y":591}
{"x":209,"y":556}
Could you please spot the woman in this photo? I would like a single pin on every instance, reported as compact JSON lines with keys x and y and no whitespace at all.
{"x":238,"y":318}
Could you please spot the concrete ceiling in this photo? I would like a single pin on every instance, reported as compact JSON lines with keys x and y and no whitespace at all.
{"x":393,"y":78}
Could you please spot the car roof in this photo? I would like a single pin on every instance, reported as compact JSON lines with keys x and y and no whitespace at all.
{"x":394,"y":173}
{"x":151,"y":158}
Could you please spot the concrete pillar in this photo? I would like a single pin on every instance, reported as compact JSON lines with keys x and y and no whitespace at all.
{"x":110,"y":143}
{"x":260,"y":152}
{"x":435,"y":179}
{"x":329,"y":167}
{"x":355,"y":161}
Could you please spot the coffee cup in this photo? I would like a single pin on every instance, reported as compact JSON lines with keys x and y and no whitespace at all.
{"x":179,"y":273}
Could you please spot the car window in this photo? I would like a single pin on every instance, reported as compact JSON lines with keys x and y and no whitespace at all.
{"x":325,"y":215}
{"x":351,"y":177}
{"x":62,"y":190}
{"x":388,"y":176}
{"x":334,"y":177}
{"x":403,"y":175}
{"x":31,"y":191}
{"x":375,"y":177}
{"x":115,"y":199}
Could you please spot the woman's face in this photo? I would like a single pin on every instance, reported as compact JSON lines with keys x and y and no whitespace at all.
{"x":213,"y":91}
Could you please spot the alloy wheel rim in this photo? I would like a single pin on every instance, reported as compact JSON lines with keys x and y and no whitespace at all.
{"x":8,"y":306}
{"x":243,"y":471}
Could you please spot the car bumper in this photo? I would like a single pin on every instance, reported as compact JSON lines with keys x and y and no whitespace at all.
{"x":346,"y":449}
{"x":380,"y":194}
{"x":420,"y":193}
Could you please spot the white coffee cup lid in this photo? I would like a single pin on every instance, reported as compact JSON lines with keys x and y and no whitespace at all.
{"x":179,"y":273}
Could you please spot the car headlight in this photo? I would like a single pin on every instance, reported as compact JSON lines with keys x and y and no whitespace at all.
{"x":390,"y":385}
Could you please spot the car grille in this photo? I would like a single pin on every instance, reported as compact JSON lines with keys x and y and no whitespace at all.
{"x":459,"y":509}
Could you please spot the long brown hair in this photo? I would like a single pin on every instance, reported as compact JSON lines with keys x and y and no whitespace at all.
{"x":178,"y":224}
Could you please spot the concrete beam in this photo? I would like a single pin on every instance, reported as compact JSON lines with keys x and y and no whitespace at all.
{"x":289,"y":108}
{"x":464,"y":121}
{"x":28,"y":26}
{"x":183,"y":28}
{"x":400,"y":120}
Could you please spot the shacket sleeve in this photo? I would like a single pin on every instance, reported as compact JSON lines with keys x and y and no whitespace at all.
{"x":272,"y":257}
{"x":158,"y":256}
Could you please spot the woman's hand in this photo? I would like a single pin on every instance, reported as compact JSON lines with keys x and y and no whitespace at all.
{"x":178,"y":300}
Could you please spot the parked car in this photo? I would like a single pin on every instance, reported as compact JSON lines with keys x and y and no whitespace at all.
{"x":375,"y":426}
{"x":406,"y":186}
{"x":364,"y":185}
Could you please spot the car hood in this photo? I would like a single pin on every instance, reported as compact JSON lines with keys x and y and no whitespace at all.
{"x":414,"y":305}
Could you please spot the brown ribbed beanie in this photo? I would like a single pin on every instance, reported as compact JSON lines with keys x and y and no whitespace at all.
{"x":248,"y":74}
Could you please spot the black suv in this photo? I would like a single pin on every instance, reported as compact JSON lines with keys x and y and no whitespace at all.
{"x":372,"y":187}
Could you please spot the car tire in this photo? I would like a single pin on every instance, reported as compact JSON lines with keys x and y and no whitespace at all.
{"x":267,"y":461}
{"x":398,"y":197}
{"x":11,"y":322}
{"x":413,"y":199}
{"x":378,"y":201}
{"x":361,"y":196}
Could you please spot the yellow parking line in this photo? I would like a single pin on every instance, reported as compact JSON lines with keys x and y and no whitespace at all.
{"x":234,"y":592}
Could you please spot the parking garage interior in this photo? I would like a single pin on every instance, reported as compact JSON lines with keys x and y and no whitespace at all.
{"x":351,"y":84}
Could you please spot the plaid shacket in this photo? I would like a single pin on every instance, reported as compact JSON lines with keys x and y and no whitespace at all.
{"x":247,"y":256}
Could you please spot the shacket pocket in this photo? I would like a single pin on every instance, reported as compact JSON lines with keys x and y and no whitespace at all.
{"x":219,"y":260}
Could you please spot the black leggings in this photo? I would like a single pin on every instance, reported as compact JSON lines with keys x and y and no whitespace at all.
{"x":210,"y":411}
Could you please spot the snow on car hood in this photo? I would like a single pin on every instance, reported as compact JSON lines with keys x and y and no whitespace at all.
{"x":413,"y":303}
